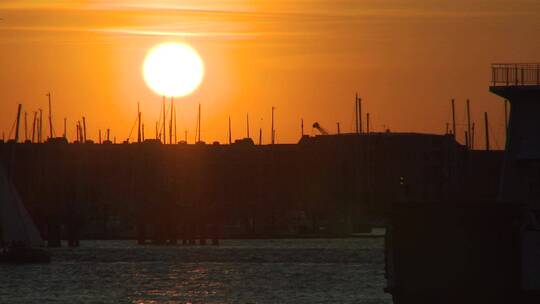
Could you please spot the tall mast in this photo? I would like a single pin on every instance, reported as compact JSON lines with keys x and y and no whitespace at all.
{"x":19,"y":108}
{"x":453,"y":119}
{"x":164,"y":121}
{"x":84,"y":129}
{"x":360,"y":114}
{"x":138,"y":122}
{"x":25,"y":126}
{"x":273,"y":132}
{"x":472,"y":136}
{"x":79,"y":133}
{"x":468,"y":124}
{"x":506,"y":118}
{"x":50,"y":116}
{"x":40,"y":130}
{"x":486,"y":126}
{"x":367,"y":122}
{"x":199,"y":124}
{"x":65,"y":127}
{"x":34,"y":127}
{"x":355,"y":114}
{"x":230,"y":135}
{"x":171,"y":122}
{"x":302,"y":126}
{"x":260,"y":136}
{"x":142,"y":131}
{"x":247,"y":124}
{"x":175,"y":139}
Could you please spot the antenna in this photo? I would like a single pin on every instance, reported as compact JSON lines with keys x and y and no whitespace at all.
{"x":65,"y":127}
{"x":260,"y":136}
{"x":142,"y":126}
{"x":302,"y":127}
{"x":338,"y":128}
{"x":99,"y":136}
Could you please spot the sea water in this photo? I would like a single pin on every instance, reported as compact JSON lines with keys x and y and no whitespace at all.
{"x":238,"y":271}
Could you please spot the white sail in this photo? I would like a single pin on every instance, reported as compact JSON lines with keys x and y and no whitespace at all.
{"x":16,"y":223}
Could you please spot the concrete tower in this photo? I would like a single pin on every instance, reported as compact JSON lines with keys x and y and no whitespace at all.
{"x":520,"y":84}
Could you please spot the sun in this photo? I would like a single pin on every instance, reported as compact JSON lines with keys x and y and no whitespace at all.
{"x":173,"y":69}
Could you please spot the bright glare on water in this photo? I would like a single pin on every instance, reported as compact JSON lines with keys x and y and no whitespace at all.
{"x":256,"y":271}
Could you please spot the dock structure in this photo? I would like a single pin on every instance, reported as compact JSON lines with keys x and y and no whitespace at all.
{"x":478,"y":249}
{"x":324,"y":185}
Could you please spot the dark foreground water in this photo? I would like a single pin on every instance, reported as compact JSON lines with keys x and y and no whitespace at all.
{"x":247,"y":271}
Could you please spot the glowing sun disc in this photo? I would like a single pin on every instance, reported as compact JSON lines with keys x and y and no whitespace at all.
{"x":173,"y":69}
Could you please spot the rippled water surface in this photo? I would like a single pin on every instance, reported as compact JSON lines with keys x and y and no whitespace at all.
{"x":247,"y":271}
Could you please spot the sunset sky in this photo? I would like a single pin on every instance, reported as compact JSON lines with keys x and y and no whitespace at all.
{"x":406,"y":59}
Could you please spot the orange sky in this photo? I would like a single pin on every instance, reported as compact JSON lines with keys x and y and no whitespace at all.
{"x":307,"y":58}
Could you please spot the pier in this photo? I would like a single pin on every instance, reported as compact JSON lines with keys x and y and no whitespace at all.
{"x":325,"y":185}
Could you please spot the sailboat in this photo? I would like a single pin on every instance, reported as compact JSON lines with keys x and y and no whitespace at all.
{"x":20,"y":240}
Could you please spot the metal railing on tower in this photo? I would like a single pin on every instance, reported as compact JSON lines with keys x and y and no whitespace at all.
{"x":515,"y":74}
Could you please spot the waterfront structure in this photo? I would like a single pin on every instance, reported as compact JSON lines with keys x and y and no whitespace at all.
{"x":324,"y":185}
{"x":478,"y":249}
